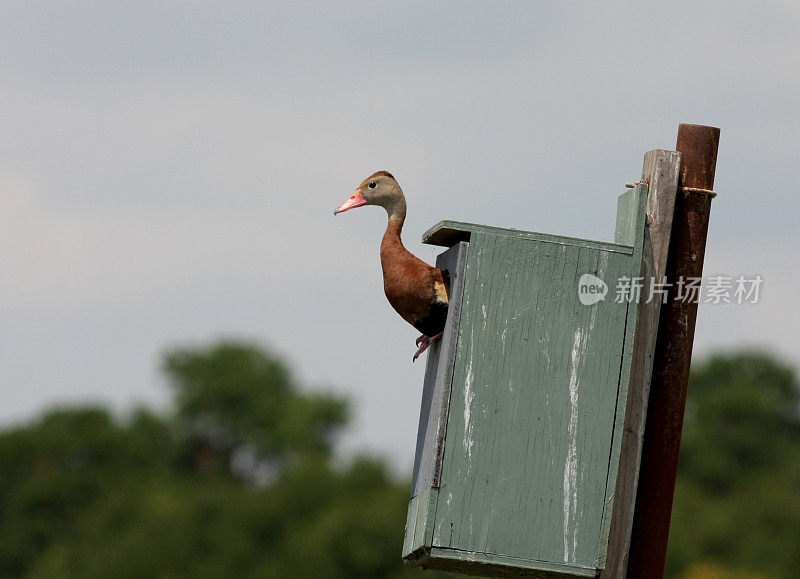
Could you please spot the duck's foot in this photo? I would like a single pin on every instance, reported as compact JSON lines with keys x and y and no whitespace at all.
{"x":423,"y":342}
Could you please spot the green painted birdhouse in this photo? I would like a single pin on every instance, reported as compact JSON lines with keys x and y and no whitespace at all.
{"x":524,"y":400}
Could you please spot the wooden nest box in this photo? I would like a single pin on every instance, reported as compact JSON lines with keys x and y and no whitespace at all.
{"x":524,"y":400}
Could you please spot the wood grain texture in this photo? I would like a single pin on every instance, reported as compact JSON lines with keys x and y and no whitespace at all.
{"x":661,"y":172}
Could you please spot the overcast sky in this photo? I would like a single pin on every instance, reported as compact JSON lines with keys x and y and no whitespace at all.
{"x":168,"y":173}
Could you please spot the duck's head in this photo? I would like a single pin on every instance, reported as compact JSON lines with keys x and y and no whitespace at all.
{"x":378,"y":189}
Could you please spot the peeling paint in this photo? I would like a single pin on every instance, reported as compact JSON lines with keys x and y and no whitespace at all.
{"x":469,"y":395}
{"x":602,"y":264}
{"x":571,"y":462}
{"x":580,"y":345}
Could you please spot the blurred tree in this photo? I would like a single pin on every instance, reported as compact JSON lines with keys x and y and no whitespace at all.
{"x":56,"y":469}
{"x":737,"y":500}
{"x":713,"y":571}
{"x":239,"y":482}
{"x":237,"y":402}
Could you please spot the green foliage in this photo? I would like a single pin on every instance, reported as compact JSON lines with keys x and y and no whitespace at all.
{"x":56,"y":469}
{"x":708,"y":570}
{"x":84,"y":494}
{"x":737,"y":499}
{"x":312,"y":523}
{"x":239,"y":481}
{"x":235,"y":393}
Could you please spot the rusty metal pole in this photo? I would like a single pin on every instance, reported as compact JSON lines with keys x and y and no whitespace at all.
{"x":662,"y":435}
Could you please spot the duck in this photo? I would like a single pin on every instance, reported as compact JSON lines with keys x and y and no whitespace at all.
{"x":417,"y":291}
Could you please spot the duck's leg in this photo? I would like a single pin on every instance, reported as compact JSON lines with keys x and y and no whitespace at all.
{"x":424,"y":342}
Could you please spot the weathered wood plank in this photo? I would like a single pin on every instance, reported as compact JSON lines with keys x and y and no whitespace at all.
{"x":500,"y":566}
{"x":409,"y":541}
{"x":419,"y":524}
{"x":627,"y":218}
{"x":631,"y":224}
{"x":434,"y":410}
{"x":448,"y":233}
{"x":439,"y":377}
{"x":660,"y":171}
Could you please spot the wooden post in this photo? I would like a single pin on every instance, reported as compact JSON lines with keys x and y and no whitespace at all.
{"x":698,"y":146}
{"x":660,"y":172}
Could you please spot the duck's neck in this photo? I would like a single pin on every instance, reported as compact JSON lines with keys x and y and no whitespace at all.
{"x":396,"y":210}
{"x":392,"y":244}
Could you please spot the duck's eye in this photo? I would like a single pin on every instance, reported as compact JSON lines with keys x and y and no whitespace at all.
{"x":372,"y":185}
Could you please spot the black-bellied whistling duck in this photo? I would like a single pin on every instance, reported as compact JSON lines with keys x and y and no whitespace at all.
{"x":416,"y":290}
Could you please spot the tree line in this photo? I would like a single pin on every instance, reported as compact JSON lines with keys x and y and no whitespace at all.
{"x":238,"y":479}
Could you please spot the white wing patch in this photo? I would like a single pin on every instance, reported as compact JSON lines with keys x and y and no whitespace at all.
{"x":440,"y":290}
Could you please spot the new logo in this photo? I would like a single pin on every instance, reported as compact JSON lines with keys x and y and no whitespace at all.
{"x":591,"y":289}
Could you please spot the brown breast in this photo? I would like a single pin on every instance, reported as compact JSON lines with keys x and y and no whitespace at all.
{"x":417,"y":291}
